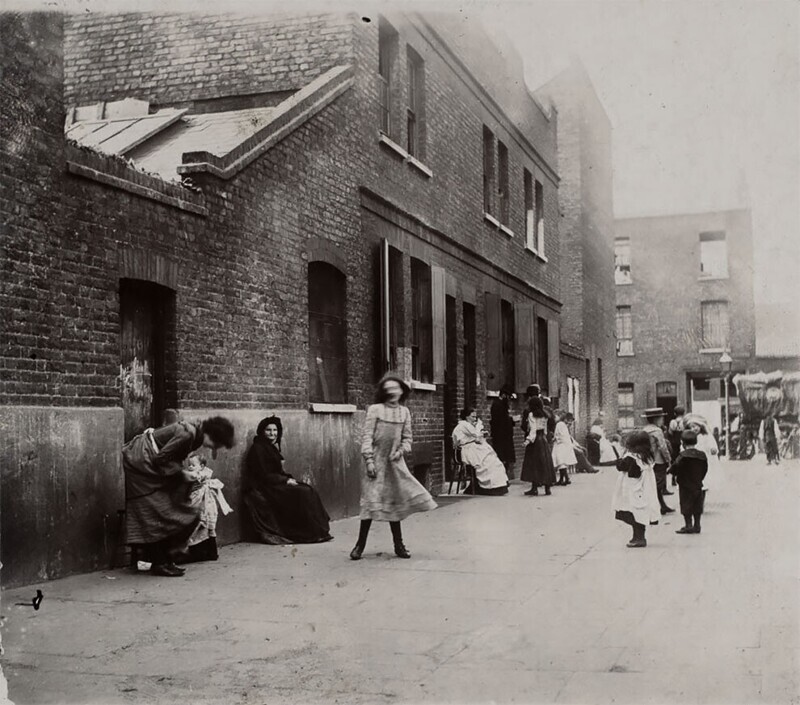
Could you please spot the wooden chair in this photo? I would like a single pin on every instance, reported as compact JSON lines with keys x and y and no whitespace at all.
{"x":461,"y":473}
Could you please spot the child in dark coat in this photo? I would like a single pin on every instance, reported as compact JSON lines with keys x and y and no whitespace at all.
{"x":689,"y":469}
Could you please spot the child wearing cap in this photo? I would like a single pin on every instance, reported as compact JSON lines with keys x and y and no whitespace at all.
{"x":689,"y":469}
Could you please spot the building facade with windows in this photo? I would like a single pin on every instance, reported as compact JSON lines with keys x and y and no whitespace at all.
{"x":684,"y":297}
{"x":586,"y":234}
{"x":255,"y":216}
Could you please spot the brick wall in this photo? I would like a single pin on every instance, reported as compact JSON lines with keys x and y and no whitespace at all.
{"x":586,"y":233}
{"x":666,"y":293}
{"x":169,"y":58}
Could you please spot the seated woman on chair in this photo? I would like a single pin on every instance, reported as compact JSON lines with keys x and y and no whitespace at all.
{"x":490,"y":472}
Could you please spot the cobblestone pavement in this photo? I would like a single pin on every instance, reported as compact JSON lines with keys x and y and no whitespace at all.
{"x":506,"y":599}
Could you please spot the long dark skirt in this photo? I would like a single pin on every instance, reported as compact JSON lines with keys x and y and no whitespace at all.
{"x":537,"y":466}
{"x":282,"y":514}
{"x":692,"y":500}
{"x":593,"y":448}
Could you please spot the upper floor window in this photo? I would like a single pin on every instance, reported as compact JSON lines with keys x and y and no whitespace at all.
{"x":715,"y":324}
{"x":416,"y":104}
{"x":713,"y":255}
{"x":388,"y":41}
{"x":327,"y":333}
{"x":421,"y":322}
{"x":530,"y":224}
{"x":624,"y":331}
{"x":622,"y":261}
{"x":625,"y":405}
{"x":502,"y":182}
{"x":538,"y":207}
{"x":488,"y":171}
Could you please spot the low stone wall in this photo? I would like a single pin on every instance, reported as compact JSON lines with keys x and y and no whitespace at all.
{"x":61,"y":480}
{"x":61,"y":486}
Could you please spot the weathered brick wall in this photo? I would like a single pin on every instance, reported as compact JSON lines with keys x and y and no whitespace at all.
{"x":168,"y":57}
{"x":666,"y":293}
{"x":587,"y":234}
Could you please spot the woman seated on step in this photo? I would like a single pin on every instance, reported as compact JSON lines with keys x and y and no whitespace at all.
{"x":281,"y":509}
{"x":475,"y":451}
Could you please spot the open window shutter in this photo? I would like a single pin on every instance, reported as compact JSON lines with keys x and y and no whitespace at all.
{"x":385,"y":303}
{"x":523,"y":325}
{"x":438,"y":287}
{"x":553,"y":358}
{"x":493,"y":338}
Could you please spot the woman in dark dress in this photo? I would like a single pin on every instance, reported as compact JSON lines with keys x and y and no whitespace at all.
{"x":160,"y":516}
{"x":282,"y":510}
{"x":537,"y":466}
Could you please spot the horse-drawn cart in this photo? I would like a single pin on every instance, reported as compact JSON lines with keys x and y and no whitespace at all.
{"x":761,"y":395}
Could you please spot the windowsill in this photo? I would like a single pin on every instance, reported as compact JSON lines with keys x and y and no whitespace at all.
{"x":536,"y":254}
{"x":619,"y":354}
{"x":491,"y":219}
{"x":392,"y":145}
{"x":711,"y":350}
{"x":491,"y":394}
{"x":507,"y":231}
{"x":623,"y":283}
{"x":419,"y":166}
{"x":422,"y":386}
{"x":712,"y":277}
{"x":320,"y":408}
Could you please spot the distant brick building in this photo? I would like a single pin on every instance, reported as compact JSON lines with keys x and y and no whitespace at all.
{"x":327,"y":198}
{"x":684,"y":297}
{"x":586,"y":232}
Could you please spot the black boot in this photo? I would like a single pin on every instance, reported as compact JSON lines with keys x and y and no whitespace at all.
{"x":565,"y":477}
{"x":638,"y":540}
{"x":361,"y":544}
{"x":533,"y":491}
{"x":696,"y":529}
{"x":688,"y":528}
{"x":547,"y":490}
{"x":397,"y":534}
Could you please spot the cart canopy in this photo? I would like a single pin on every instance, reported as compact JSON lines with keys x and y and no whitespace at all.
{"x":776,"y":393}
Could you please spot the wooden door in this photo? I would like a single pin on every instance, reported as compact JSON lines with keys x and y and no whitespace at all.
{"x":450,"y":381}
{"x":142,"y":332}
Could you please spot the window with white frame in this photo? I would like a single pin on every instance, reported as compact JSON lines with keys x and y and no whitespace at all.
{"x":488,"y":171}
{"x":715,"y":324}
{"x":388,"y":41}
{"x":622,"y":261}
{"x":625,"y":413}
{"x":624,"y":331}
{"x":538,"y":207}
{"x":530,"y":226}
{"x":713,"y":255}
{"x":502,"y":183}
{"x":416,"y":104}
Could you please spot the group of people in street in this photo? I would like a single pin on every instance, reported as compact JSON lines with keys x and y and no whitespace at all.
{"x":688,"y":452}
{"x":172,"y":501}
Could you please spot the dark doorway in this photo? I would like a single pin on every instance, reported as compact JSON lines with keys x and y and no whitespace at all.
{"x":327,"y":333}
{"x":145,"y":318}
{"x":469,"y":355}
{"x":667,"y":398}
{"x":450,"y":380}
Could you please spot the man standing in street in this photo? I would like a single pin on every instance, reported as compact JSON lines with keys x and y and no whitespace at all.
{"x":661,"y":454}
{"x":501,"y":426}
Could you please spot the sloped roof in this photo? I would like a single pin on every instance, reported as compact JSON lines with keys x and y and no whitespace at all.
{"x":215,"y":133}
{"x":121,"y":134}
{"x":171,"y":143}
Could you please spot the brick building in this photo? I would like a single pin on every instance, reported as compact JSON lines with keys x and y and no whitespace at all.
{"x":684,"y":296}
{"x":250,"y":216}
{"x":586,"y":232}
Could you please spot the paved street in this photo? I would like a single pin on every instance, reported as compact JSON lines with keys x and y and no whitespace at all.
{"x":511,"y":599}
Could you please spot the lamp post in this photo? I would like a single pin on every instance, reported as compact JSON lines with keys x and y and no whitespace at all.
{"x":725,"y":362}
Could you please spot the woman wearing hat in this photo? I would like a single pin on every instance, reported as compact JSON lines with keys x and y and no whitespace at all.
{"x":281,"y":509}
{"x":389,"y":492}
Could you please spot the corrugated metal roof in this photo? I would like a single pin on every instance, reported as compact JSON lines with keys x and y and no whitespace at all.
{"x":120,"y":135}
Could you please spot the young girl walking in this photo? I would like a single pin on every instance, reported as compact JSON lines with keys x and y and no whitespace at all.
{"x":537,"y":466}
